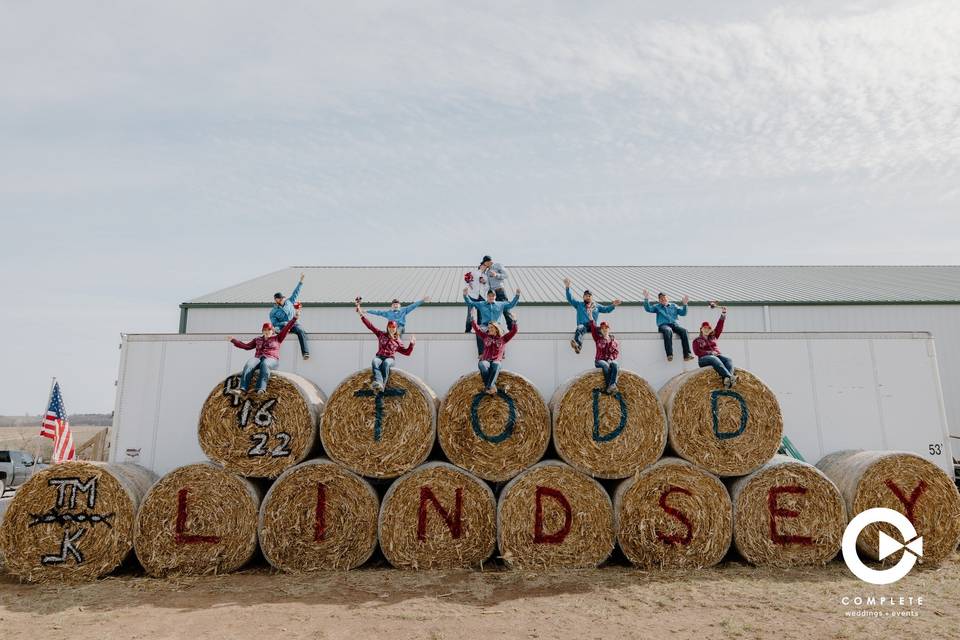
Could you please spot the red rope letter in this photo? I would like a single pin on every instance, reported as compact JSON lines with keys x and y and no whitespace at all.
{"x":182,"y":537}
{"x":539,"y":537}
{"x":679,"y":515}
{"x":776,"y":510}
{"x":910,"y":502}
{"x":454,"y":523}
{"x":320,"y":514}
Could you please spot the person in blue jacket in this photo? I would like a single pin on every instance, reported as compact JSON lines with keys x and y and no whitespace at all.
{"x":587,"y":310}
{"x":667,"y":314}
{"x":489,"y":311}
{"x":283,"y":311}
{"x":397,"y":313}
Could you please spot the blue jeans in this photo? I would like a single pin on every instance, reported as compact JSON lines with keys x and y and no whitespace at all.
{"x":667,"y":331}
{"x":578,"y":334}
{"x":721,"y":364}
{"x":488,"y":372}
{"x":611,"y":370}
{"x":265,"y":365}
{"x":302,"y":337}
{"x":381,"y":369}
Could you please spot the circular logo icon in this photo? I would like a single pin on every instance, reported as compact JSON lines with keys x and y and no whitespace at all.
{"x":912,"y":545}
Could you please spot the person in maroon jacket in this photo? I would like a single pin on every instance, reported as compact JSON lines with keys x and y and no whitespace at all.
{"x":608,"y":352}
{"x":494,"y":344}
{"x":267,"y":355}
{"x":390,"y":344}
{"x":705,"y":346}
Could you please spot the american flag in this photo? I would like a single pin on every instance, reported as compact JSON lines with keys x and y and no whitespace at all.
{"x":57,"y":428}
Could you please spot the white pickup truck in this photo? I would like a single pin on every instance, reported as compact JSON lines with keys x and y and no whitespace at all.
{"x":16,"y":467}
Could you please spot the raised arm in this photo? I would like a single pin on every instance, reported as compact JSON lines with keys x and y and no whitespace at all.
{"x":719,"y":328}
{"x":513,"y":303}
{"x":286,"y":328}
{"x":373,"y":329}
{"x":472,"y":303}
{"x":682,"y":308}
{"x":593,"y":330}
{"x":573,"y":303}
{"x":295,"y":294}
{"x":509,"y":336}
{"x":407,"y":350}
{"x":649,"y":306}
{"x":412,"y":306}
{"x":378,"y":312}
{"x":476,"y":328}
{"x":606,"y":308}
{"x":243,"y":345}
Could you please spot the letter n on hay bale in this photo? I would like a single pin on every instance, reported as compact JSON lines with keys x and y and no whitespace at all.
{"x":729,"y":432}
{"x":260,"y":435}
{"x":904,"y":482}
{"x":198,"y":519}
{"x":73,"y":521}
{"x":552,"y":516}
{"x":317,"y":516}
{"x":787,"y":513}
{"x":608,"y":436}
{"x":495,"y":437}
{"x":380,"y":434}
{"x":673,"y":514}
{"x":438,"y":516}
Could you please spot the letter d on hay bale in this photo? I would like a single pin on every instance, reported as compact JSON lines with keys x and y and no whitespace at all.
{"x":198,"y":519}
{"x":608,"y":436}
{"x":729,"y":432}
{"x":787,"y":513}
{"x":551,"y":516}
{"x":904,"y":482}
{"x":317,"y":516}
{"x":380,"y":434}
{"x":438,"y":516}
{"x":673,"y":514}
{"x":495,"y":437}
{"x":73,"y":521}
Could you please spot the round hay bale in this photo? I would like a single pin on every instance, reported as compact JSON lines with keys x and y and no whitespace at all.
{"x":380,"y":434}
{"x":608,"y":436}
{"x":551,"y":516}
{"x":261,"y":435}
{"x":494,"y":437}
{"x":787,"y":513}
{"x":729,"y":432}
{"x":73,"y":521}
{"x":904,"y":482}
{"x":199,"y":519}
{"x":673,"y":514}
{"x":437,"y":516}
{"x":318,"y":516}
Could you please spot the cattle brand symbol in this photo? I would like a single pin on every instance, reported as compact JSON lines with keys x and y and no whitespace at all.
{"x":65,"y":513}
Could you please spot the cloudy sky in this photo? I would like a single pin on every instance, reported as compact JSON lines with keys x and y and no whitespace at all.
{"x":155,"y":151}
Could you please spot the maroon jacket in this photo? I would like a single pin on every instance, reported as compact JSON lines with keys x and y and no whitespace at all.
{"x":494,"y":346}
{"x":607,"y":348}
{"x":389,"y":347}
{"x":707,"y":346}
{"x":266,"y":347}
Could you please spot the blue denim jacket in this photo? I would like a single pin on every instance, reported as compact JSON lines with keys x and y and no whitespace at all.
{"x":399,"y":316}
{"x":666,"y":314}
{"x":491,"y":311}
{"x":279,"y":316}
{"x":581,"y":308}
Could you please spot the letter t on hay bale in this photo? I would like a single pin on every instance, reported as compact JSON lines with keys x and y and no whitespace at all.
{"x":904,"y":482}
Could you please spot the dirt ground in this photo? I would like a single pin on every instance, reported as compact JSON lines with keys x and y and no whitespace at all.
{"x":730,"y":601}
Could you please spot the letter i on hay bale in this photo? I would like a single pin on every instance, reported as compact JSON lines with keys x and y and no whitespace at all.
{"x":73,"y":521}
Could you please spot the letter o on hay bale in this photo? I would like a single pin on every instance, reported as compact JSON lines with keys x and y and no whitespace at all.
{"x":494,"y":437}
{"x":73,"y":521}
{"x":198,"y":519}
{"x":551,"y":516}
{"x":787,"y":513}
{"x":608,"y":436}
{"x":261,"y":435}
{"x":729,"y":432}
{"x":318,"y":516}
{"x":438,"y":516}
{"x":904,"y":482}
{"x":673,"y":514}
{"x":380,"y":434}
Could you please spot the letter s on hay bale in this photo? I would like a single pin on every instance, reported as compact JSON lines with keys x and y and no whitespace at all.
{"x":904,"y":482}
{"x":73,"y":521}
{"x":729,"y":432}
{"x":495,"y":437}
{"x":551,"y":516}
{"x":318,"y":516}
{"x":438,"y":516}
{"x":787,"y":513}
{"x":673,"y":514}
{"x":198,"y":519}
{"x":608,"y":436}
{"x":380,"y":434}
{"x":261,"y":435}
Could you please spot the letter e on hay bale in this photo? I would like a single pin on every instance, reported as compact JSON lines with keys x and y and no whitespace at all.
{"x":787,"y":513}
{"x":199,"y":519}
{"x":495,"y":437}
{"x":904,"y":482}
{"x":608,"y":436}
{"x":261,"y":435}
{"x":729,"y":432}
{"x":673,"y":514}
{"x":437,"y":516}
{"x":73,"y":521}
{"x":318,"y":516}
{"x":551,"y":516}
{"x":380,"y":434}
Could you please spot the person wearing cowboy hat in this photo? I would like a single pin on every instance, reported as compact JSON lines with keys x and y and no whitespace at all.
{"x":587,"y":310}
{"x":489,"y":311}
{"x":283,"y":309}
{"x":389,"y":344}
{"x":266,"y":358}
{"x":608,"y":353}
{"x":708,"y":354}
{"x":494,"y":345}
{"x":667,"y":314}
{"x":398,"y":313}
{"x":476,"y":290}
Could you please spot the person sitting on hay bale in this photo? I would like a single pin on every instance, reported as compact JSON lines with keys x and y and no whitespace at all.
{"x":705,"y":346}
{"x":399,"y":314}
{"x":667,"y":314}
{"x":587,"y":311}
{"x":282,"y":312}
{"x":489,"y":312}
{"x":494,"y":344}
{"x":608,"y":351}
{"x":477,"y":287}
{"x":390,"y":345}
{"x":267,"y":355}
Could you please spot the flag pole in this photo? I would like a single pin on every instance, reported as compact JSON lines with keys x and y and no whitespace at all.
{"x":53,"y":381}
